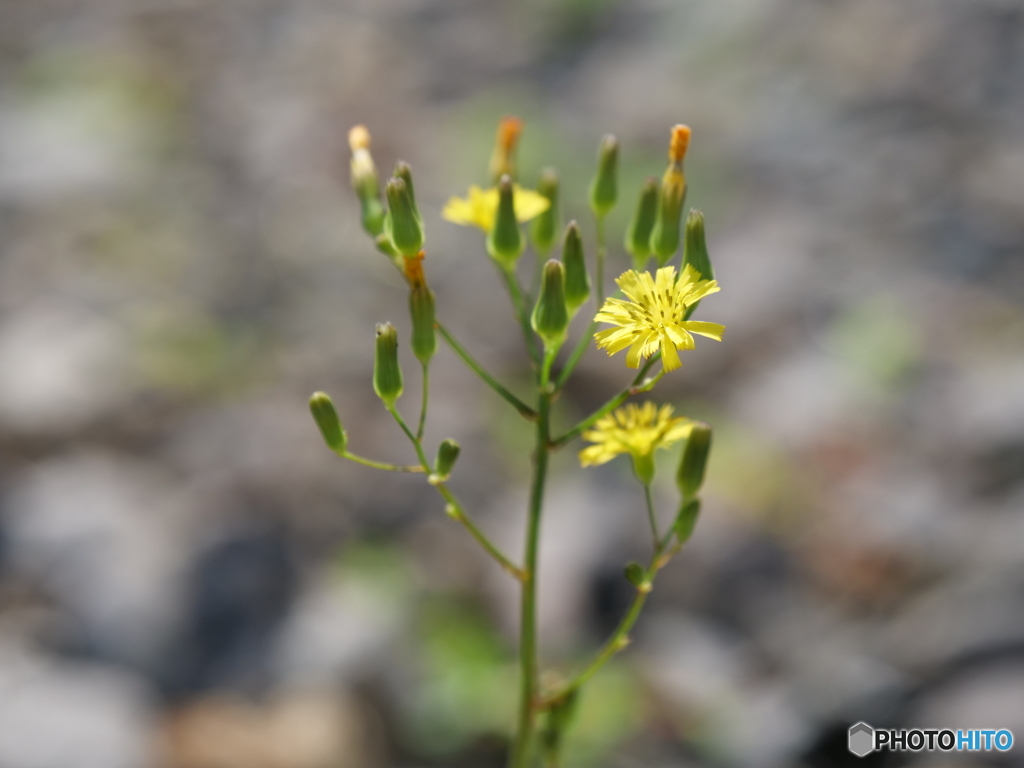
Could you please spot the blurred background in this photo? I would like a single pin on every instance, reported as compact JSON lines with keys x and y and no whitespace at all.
{"x":189,"y":579}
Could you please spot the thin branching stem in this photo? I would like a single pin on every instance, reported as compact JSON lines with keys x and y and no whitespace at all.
{"x":524,"y":410}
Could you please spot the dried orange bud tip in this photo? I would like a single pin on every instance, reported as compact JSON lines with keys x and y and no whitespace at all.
{"x":508,"y":132}
{"x":358,"y":138}
{"x":679,"y":143}
{"x":414,"y":269}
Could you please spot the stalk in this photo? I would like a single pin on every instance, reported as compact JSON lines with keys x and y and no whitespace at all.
{"x":528,"y":697}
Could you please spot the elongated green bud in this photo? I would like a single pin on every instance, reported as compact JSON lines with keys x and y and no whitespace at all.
{"x":686,"y":520}
{"x":447,"y":453}
{"x":505,"y":241}
{"x":638,"y":234}
{"x":404,"y":172}
{"x":405,"y":228}
{"x":364,"y":180}
{"x":387,"y":374}
{"x":665,"y":235}
{"x":577,"y":281}
{"x":421,"y":307}
{"x":695,"y":248}
{"x":421,"y":310}
{"x":326,"y":417}
{"x":604,"y":188}
{"x":550,"y":316}
{"x":544,"y":228}
{"x":690,"y":476}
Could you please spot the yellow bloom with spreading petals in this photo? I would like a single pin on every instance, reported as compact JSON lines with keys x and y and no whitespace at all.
{"x":651,"y":316}
{"x":480,"y":206}
{"x":634,"y":429}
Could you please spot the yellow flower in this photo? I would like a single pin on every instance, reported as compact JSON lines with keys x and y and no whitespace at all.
{"x":652,"y":318}
{"x":636,"y":430}
{"x":481,"y":206}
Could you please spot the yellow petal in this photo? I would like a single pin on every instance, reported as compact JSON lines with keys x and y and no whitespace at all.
{"x":528,"y":204}
{"x":710,"y":330}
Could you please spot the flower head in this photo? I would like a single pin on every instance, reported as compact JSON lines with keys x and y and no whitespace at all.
{"x":480,"y":206}
{"x":653,"y":315}
{"x":634,"y":429}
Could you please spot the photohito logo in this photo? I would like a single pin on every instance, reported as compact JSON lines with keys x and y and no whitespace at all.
{"x":863,"y":740}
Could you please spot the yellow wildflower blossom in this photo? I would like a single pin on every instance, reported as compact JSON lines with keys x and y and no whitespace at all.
{"x":634,"y":429}
{"x":480,"y":207}
{"x":652,"y":317}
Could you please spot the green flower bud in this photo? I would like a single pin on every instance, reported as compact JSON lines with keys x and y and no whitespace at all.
{"x":544,"y":228}
{"x":447,"y":453}
{"x":421,"y":307}
{"x":686,"y":520}
{"x":550,"y":316}
{"x":387,"y":374}
{"x":404,"y":172}
{"x":665,"y":236}
{"x":638,"y":234}
{"x":604,"y":187}
{"x":577,"y":281}
{"x":364,"y":180}
{"x":695,"y":248}
{"x":694,"y":460}
{"x":505,"y":241}
{"x":635,"y":575}
{"x":405,"y":228}
{"x":326,"y":417}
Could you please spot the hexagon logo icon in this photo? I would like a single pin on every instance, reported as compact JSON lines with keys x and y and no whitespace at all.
{"x":861,"y":739}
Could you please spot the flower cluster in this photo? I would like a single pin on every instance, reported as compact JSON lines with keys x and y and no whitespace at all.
{"x":649,"y":317}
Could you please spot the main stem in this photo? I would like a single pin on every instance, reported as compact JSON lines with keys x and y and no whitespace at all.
{"x":528,"y":696}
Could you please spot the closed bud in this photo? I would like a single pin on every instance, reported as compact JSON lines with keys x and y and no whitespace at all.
{"x":638,"y":234}
{"x":447,"y":453}
{"x":364,"y":180}
{"x":550,"y":316}
{"x":694,"y":460}
{"x":665,"y":236}
{"x":326,"y":417}
{"x":405,"y":228}
{"x":604,"y":187}
{"x":695,"y":249}
{"x":421,"y":309}
{"x":577,"y":281}
{"x":686,"y":520}
{"x":404,"y":172}
{"x":503,"y":158}
{"x":544,"y":228}
{"x":635,"y":574}
{"x":387,"y":374}
{"x":505,"y":241}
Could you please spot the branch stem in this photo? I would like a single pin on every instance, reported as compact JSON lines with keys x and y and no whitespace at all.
{"x":524,"y":410}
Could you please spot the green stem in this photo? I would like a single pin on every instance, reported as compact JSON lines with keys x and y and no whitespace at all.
{"x":456,"y":512}
{"x":412,"y":438}
{"x":524,"y":410}
{"x":653,"y":518}
{"x":601,"y":253}
{"x":581,"y":346}
{"x":379,"y":464}
{"x":423,"y":402}
{"x":528,"y":697}
{"x":522,"y":313}
{"x":638,"y":386}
